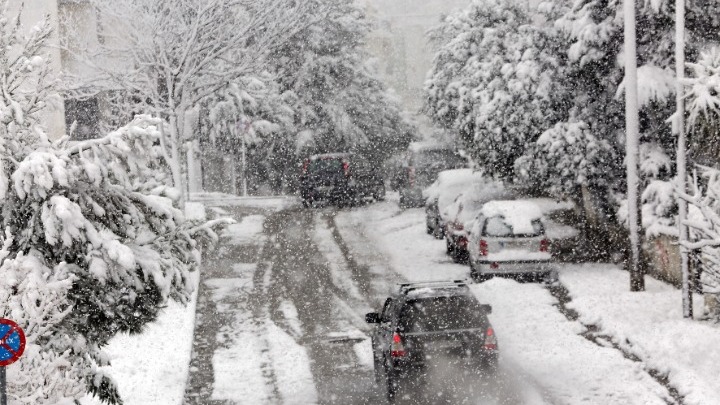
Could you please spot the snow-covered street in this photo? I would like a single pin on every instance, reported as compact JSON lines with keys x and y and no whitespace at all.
{"x":281,"y":306}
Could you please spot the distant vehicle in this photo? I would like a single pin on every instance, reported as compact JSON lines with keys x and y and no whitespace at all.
{"x":420,"y":168}
{"x":508,"y":239}
{"x":423,"y":320}
{"x":457,"y":218}
{"x":340,"y":178}
{"x":443,"y":192}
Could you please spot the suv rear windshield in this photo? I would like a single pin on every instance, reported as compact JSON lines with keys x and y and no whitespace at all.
{"x":441,"y":313}
{"x":325,"y":167}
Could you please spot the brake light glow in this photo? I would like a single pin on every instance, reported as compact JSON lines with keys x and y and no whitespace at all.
{"x":490,"y":340}
{"x":346,"y":169}
{"x":411,"y":176}
{"x":483,"y":248}
{"x":306,"y":164}
{"x":462,"y":242}
{"x":494,"y":265}
{"x":544,"y":245}
{"x":397,"y":349}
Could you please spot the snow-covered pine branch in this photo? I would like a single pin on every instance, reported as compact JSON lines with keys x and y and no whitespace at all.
{"x":100,"y":215}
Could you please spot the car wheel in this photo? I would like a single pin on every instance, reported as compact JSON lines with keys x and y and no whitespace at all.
{"x":438,"y":232}
{"x":480,"y":278}
{"x":393,"y":384}
{"x":460,"y":256}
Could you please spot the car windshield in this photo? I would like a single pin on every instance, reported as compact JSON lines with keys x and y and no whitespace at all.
{"x":442,"y":313}
{"x":498,"y":227}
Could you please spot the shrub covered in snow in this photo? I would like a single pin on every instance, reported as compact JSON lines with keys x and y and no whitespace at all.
{"x":704,"y":224}
{"x":564,"y":157}
{"x":92,"y":241}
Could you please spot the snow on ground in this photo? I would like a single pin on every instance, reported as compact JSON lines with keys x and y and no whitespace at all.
{"x":273,"y":203}
{"x":539,"y":345}
{"x":341,"y":275}
{"x":152,"y":368}
{"x":400,"y":236}
{"x":292,"y":368}
{"x":252,"y":343}
{"x":650,"y":325}
{"x":536,"y":338}
{"x":246,"y":231}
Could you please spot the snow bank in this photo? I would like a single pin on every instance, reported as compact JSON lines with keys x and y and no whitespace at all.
{"x":534,"y":336}
{"x":152,"y":368}
{"x":650,"y":325}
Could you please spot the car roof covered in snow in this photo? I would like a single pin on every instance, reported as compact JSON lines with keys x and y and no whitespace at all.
{"x":512,"y":208}
{"x":518,"y":214}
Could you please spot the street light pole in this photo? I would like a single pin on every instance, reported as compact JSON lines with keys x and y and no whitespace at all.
{"x":682,"y":155}
{"x":632,"y":129}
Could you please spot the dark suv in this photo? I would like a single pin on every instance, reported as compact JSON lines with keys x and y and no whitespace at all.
{"x":340,"y":178}
{"x":421,"y":321}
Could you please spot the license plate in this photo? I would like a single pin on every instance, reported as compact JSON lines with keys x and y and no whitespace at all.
{"x":444,"y":345}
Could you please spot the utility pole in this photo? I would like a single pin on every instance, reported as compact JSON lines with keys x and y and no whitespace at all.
{"x":682,"y":155}
{"x":632,"y":129}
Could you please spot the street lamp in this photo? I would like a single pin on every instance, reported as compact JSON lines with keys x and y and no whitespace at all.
{"x":632,"y":129}
{"x":682,"y":154}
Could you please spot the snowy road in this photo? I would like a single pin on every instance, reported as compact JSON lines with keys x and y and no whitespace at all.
{"x":281,"y":308}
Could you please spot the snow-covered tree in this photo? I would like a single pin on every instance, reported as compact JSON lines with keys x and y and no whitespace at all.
{"x":92,"y":241}
{"x":253,"y":110}
{"x":704,"y":224}
{"x":340,"y":104}
{"x":564,"y":158}
{"x":496,"y":81}
{"x":171,"y":54}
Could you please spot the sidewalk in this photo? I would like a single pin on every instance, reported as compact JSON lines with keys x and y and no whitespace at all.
{"x":650,"y":326}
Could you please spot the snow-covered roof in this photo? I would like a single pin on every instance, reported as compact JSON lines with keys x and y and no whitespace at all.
{"x":450,"y":183}
{"x":518,"y":214}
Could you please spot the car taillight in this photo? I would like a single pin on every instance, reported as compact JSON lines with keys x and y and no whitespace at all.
{"x":494,"y":265}
{"x":346,"y":169}
{"x":306,"y":164}
{"x":483,"y":248}
{"x":544,"y":245}
{"x":462,"y":242}
{"x":397,"y":349}
{"x":490,"y":340}
{"x":411,"y":176}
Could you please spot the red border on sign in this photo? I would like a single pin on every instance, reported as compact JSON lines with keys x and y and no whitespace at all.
{"x":16,"y":354}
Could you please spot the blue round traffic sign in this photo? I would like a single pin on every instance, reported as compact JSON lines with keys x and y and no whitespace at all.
{"x":12,"y":342}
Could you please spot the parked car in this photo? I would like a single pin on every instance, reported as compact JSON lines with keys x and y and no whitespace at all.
{"x":443,"y":192}
{"x":423,"y":162}
{"x":458,"y":217}
{"x":508,"y":239}
{"x":424,"y":319}
{"x":340,"y":178}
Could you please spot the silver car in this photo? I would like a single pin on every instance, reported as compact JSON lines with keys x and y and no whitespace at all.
{"x":508,"y":238}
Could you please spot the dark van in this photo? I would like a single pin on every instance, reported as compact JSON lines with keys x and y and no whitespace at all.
{"x":340,"y":179}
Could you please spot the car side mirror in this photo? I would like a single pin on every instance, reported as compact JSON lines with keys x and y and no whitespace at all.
{"x":486,"y":308}
{"x":372,"y":317}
